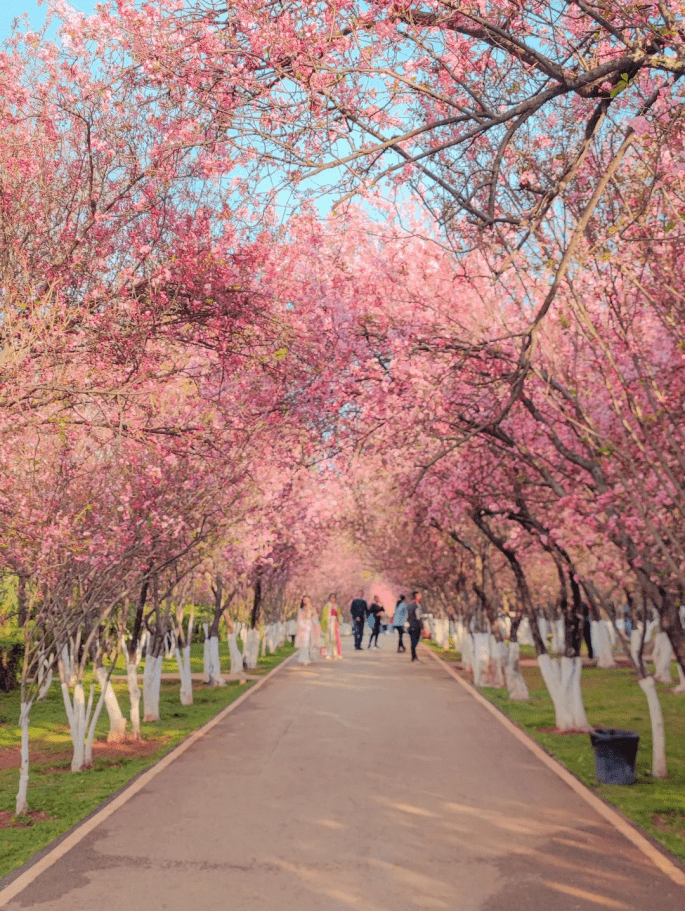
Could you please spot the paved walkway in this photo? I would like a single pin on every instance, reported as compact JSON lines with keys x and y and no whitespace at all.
{"x":368,"y":784}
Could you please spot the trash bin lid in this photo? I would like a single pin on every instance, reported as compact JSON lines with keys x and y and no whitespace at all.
{"x":604,"y":735}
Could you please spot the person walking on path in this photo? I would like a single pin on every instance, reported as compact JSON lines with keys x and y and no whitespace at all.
{"x":414,"y":618}
{"x":398,"y":620}
{"x":375,"y":611}
{"x":303,"y":637}
{"x":358,"y":611}
{"x":330,"y":623}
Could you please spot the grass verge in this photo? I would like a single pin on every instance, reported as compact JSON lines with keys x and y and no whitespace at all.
{"x":59,"y":799}
{"x":612,"y":699}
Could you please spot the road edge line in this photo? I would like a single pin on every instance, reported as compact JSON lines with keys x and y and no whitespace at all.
{"x":85,"y":827}
{"x":624,"y":826}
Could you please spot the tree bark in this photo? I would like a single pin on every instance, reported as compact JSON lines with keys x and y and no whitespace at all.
{"x":257,"y":600}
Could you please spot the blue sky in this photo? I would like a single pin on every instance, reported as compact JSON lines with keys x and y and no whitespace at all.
{"x":12,"y":9}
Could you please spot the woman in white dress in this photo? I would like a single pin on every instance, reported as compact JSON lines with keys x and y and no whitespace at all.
{"x":303,"y":638}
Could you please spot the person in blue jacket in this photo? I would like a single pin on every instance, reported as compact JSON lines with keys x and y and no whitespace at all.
{"x":398,"y":621}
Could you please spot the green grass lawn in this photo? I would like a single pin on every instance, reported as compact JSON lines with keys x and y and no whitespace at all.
{"x":58,"y":798}
{"x":612,"y":699}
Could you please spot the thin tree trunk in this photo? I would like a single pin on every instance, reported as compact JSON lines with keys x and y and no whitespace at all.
{"x":117,"y":722}
{"x":22,"y":603}
{"x":88,"y":748}
{"x":44,"y":677}
{"x":657,"y":719}
{"x":662,"y":657}
{"x":257,"y":600}
{"x":134,"y":697}
{"x":21,"y":804}
{"x":183,"y":658}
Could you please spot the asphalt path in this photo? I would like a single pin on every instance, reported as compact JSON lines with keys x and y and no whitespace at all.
{"x":367,"y":784}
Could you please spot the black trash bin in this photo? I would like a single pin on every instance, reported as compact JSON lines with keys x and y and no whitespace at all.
{"x":615,"y":755}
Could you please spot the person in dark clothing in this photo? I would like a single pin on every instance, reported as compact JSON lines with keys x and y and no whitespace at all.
{"x":587,"y":630}
{"x":414,"y":618}
{"x":375,"y":611}
{"x":358,"y":611}
{"x":398,"y":621}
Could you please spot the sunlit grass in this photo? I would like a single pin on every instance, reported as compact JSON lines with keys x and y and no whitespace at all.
{"x":612,"y":699}
{"x":65,"y":798}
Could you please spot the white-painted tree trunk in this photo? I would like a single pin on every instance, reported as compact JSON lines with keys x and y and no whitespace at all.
{"x":158,"y":679}
{"x":662,"y":657}
{"x":184,"y":664}
{"x":213,"y":670}
{"x":152,"y":679}
{"x":206,"y":659}
{"x":76,"y":715}
{"x":635,"y":641}
{"x":516,"y":685}
{"x":236,"y":655}
{"x":657,"y":719}
{"x":601,"y":644}
{"x":263,"y":641}
{"x":69,"y":668}
{"x":467,"y":657}
{"x":543,"y":626}
{"x":117,"y":722}
{"x":481,"y":659}
{"x":184,"y":672}
{"x":169,"y":644}
{"x":680,"y":688}
{"x":134,"y":696}
{"x":88,"y":747}
{"x":251,"y":641}
{"x":440,"y":633}
{"x":558,"y":636}
{"x":498,"y":662}
{"x":272,"y":638}
{"x":562,"y":678}
{"x":460,"y":635}
{"x":524,"y":635}
{"x":21,"y":805}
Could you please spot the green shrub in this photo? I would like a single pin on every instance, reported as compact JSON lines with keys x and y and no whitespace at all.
{"x":11,"y":654}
